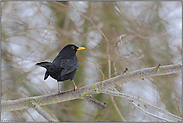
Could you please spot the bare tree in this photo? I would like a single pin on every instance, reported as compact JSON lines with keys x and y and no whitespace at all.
{"x":127,"y":45}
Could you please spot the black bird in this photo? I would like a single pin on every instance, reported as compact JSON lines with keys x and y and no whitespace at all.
{"x":64,"y":66}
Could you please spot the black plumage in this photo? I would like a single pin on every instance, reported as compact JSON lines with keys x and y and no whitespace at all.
{"x":64,"y":66}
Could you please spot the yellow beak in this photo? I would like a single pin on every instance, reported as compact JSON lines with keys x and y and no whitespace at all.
{"x":80,"y":48}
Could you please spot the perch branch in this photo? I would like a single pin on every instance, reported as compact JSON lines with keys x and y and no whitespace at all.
{"x":98,"y":87}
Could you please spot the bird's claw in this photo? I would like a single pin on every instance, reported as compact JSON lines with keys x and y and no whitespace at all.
{"x":75,"y":87}
{"x":59,"y":91}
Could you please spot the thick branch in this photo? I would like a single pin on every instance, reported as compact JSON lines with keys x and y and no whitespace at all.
{"x":23,"y":103}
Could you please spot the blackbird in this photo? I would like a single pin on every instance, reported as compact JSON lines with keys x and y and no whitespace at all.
{"x":64,"y":66}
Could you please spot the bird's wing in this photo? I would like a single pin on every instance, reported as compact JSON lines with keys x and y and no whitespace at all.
{"x":68,"y":65}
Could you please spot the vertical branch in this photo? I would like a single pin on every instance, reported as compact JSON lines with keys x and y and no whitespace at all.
{"x":117,"y":109}
{"x":175,"y":95}
{"x":91,"y":11}
{"x":103,"y":76}
{"x":114,"y":64}
{"x":109,"y":67}
{"x":109,"y":59}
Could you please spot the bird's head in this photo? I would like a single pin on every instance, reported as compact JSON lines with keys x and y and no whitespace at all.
{"x":71,"y":49}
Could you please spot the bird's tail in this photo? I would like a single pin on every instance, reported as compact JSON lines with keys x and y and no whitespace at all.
{"x":46,"y":65}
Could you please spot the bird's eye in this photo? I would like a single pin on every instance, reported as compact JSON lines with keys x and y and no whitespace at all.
{"x":73,"y":47}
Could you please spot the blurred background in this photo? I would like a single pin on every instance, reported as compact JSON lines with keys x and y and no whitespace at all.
{"x":135,"y":35}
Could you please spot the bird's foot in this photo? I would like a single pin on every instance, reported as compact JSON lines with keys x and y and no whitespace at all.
{"x":59,"y":91}
{"x":75,"y":87}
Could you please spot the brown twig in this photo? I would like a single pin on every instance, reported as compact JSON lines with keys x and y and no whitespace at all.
{"x":117,"y":109}
{"x":9,"y":15}
{"x":174,"y":95}
{"x":91,"y":11}
{"x":146,"y":22}
{"x":86,"y":18}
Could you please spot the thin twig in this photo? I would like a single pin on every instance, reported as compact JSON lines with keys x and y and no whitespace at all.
{"x":130,"y":98}
{"x":3,"y":25}
{"x":146,"y":21}
{"x":103,"y":76}
{"x":43,"y":113}
{"x":153,"y":36}
{"x":174,"y":95}
{"x":94,"y":101}
{"x":120,"y":37}
{"x":91,"y":11}
{"x":117,"y":109}
{"x":138,"y":35}
{"x":86,"y":18}
{"x":153,"y":115}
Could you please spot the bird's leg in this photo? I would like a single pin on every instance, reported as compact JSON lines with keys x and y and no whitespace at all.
{"x":58,"y":87}
{"x":75,"y":87}
{"x":59,"y":83}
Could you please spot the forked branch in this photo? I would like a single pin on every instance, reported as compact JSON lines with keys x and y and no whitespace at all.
{"x":96,"y":88}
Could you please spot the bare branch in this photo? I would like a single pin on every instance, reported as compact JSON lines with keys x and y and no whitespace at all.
{"x":132,"y":98}
{"x":34,"y":105}
{"x":94,"y":101}
{"x":117,"y":109}
{"x":98,"y":87}
{"x":153,"y":115}
{"x":9,"y":15}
